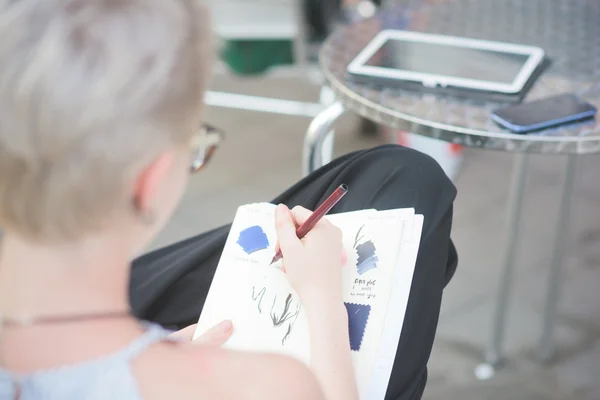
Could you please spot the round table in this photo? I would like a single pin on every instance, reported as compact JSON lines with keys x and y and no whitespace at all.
{"x":569,"y":32}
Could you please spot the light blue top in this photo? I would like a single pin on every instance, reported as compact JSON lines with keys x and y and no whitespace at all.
{"x":106,"y":378}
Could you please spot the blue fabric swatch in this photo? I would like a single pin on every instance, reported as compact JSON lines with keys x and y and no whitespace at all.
{"x":358,"y":315}
{"x":367,"y":258}
{"x":253,"y":239}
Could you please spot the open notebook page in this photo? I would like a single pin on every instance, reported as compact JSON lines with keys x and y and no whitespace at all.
{"x":368,"y":278}
{"x":265,"y":310}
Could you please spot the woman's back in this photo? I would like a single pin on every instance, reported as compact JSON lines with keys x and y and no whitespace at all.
{"x":108,"y":377}
{"x":143,"y":370}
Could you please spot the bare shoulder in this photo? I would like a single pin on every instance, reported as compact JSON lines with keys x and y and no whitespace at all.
{"x":188,"y":371}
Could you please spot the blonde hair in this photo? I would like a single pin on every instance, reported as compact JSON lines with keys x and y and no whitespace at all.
{"x":90,"y":91}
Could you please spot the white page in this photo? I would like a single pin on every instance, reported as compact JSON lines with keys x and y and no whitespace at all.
{"x":235,"y":292}
{"x":368,"y":291}
{"x":395,"y":320}
{"x":397,"y":229}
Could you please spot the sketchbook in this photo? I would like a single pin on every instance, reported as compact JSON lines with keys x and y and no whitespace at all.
{"x":267,"y":314}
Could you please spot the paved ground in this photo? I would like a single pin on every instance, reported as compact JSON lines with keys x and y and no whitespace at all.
{"x":262,"y":156}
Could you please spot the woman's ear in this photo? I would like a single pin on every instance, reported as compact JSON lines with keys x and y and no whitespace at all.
{"x":149,"y":182}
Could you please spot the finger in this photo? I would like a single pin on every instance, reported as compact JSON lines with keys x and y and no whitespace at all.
{"x":300,"y":214}
{"x":185,"y":334}
{"x":217,"y":335}
{"x":286,"y":230}
{"x":344,"y":256}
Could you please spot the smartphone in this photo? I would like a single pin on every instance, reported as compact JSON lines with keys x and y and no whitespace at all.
{"x":544,"y":113}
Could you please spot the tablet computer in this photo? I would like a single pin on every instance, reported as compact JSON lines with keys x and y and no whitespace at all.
{"x":399,"y":57}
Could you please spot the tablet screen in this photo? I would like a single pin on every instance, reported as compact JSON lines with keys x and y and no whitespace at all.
{"x":450,"y":61}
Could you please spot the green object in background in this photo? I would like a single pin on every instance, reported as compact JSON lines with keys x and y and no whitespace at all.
{"x":251,"y":57}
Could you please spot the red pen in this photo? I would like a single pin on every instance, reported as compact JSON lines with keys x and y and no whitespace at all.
{"x":316,"y":216}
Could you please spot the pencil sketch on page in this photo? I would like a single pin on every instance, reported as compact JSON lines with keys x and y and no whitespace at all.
{"x":282,"y":313}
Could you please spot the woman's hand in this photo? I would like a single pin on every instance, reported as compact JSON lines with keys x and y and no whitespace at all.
{"x":314,"y":264}
{"x":214,"y":337}
{"x":314,"y":268}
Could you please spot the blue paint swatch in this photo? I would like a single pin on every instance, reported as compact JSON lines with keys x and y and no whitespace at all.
{"x":367,"y":257}
{"x":253,"y":239}
{"x":358,"y":315}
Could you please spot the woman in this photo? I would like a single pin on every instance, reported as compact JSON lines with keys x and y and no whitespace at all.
{"x":99,"y":106}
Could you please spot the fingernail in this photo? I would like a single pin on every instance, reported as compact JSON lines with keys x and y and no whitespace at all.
{"x":226,"y":326}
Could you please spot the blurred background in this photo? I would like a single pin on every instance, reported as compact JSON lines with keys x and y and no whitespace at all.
{"x":262,"y":156}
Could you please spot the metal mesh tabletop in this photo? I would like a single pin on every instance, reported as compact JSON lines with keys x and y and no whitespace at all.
{"x":568,"y":30}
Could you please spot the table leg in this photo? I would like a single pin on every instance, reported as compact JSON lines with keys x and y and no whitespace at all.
{"x":515,"y":205}
{"x":326,"y":98}
{"x":546,"y":344}
{"x":316,"y":136}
